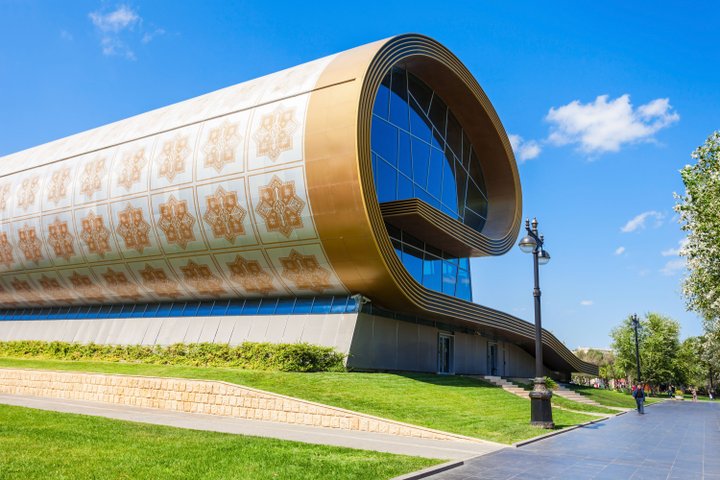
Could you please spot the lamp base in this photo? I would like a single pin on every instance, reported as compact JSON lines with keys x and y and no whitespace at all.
{"x":540,"y":406}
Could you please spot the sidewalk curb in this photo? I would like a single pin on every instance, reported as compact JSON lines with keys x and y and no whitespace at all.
{"x":426,"y":472}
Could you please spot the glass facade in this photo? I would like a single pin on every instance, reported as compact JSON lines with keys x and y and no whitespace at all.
{"x":257,"y":306}
{"x":419,"y":150}
{"x":432,"y":267}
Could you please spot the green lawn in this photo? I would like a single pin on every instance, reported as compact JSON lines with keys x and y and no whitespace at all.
{"x":36,"y":444}
{"x":450,"y":403}
{"x":611,"y":398}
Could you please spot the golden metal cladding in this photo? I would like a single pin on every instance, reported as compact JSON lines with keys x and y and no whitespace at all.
{"x":345,"y":205}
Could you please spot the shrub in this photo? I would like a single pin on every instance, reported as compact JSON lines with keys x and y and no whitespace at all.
{"x":285,"y":357}
{"x":550,"y":383}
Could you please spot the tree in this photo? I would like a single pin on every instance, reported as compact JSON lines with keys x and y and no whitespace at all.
{"x":699,"y":215}
{"x":624,"y":347}
{"x":699,"y":211}
{"x":709,"y":348}
{"x":659,"y":339}
{"x":604,"y":359}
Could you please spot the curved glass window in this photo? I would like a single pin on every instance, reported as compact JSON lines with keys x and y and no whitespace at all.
{"x":419,"y":150}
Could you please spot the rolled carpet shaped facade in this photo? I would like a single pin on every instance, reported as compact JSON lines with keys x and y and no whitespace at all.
{"x":377,"y":171}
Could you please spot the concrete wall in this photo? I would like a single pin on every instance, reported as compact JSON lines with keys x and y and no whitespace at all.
{"x":381,"y":343}
{"x":334,"y":330}
{"x":371,"y":342}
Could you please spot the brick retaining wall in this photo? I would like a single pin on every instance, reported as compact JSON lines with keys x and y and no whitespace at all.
{"x":201,"y":396}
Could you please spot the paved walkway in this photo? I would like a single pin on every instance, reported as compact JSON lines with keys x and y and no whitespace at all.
{"x":450,"y":450}
{"x":673,"y":440}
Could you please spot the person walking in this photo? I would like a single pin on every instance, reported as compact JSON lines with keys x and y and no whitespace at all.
{"x":639,"y":396}
{"x":694,"y":394}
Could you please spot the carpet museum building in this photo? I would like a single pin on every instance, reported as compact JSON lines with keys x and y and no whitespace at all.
{"x":335,"y":203}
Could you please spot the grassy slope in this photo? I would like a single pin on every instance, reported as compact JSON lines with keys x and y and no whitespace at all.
{"x":572,"y":405}
{"x":454,"y":404}
{"x":49,"y":445}
{"x":611,"y":398}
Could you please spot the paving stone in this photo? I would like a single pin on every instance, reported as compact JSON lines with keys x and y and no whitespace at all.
{"x":673,"y":440}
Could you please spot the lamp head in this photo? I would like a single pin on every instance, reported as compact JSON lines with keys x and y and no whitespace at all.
{"x":543,"y":257}
{"x":527,"y":244}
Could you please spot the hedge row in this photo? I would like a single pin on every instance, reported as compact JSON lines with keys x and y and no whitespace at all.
{"x":285,"y":357}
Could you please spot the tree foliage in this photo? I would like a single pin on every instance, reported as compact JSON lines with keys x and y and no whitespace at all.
{"x":659,"y":339}
{"x":699,"y":210}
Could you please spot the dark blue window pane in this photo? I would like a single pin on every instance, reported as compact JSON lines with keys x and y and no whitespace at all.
{"x":353,"y":305}
{"x":233,"y":307}
{"x":420,"y":92}
{"x":404,"y":155}
{"x":151,"y":311}
{"x":303,"y":305}
{"x":412,"y":260}
{"x":251,"y":306}
{"x":462,"y":289}
{"x":204,"y":309}
{"x":437,"y":160}
{"x":382,"y":100}
{"x":449,"y":278}
{"x":425,"y":197}
{"x":164,"y":309}
{"x":432,"y":273}
{"x":267,"y":306}
{"x":322,"y":305}
{"x":420,"y":159}
{"x":405,"y":188}
{"x":454,"y":134}
{"x":339,"y":305}
{"x":399,"y":100}
{"x":467,"y":149}
{"x":191,"y":309}
{"x":474,"y":220}
{"x":384,"y":140}
{"x":177,"y":309}
{"x":438,"y":113}
{"x":419,"y":124}
{"x":386,"y":182}
{"x":220,"y":307}
{"x":464,"y":263}
{"x":285,"y":306}
{"x":449,"y":189}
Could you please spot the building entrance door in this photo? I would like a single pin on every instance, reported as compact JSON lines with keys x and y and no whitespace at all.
{"x":492,"y":358}
{"x":445,"y":353}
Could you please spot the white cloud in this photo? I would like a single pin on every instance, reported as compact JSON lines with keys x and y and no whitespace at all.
{"x":148,"y":36}
{"x":672,"y":252}
{"x":524,"y":149}
{"x":638,"y":222}
{"x":619,"y":250}
{"x":605,"y":126}
{"x":586,"y":303}
{"x":116,"y":30}
{"x":673,"y":267}
{"x":119,"y":19}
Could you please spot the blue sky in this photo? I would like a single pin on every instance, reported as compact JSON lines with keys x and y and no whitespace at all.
{"x":605,"y":102}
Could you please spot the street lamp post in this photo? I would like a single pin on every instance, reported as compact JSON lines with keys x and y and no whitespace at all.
{"x":540,"y":406}
{"x":636,"y":324}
